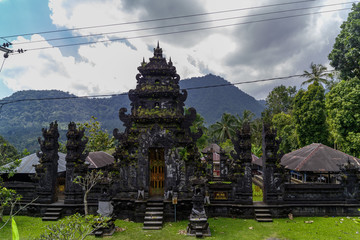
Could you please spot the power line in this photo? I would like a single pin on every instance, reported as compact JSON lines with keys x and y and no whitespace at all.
{"x":181,"y":31}
{"x":157,"y":19}
{"x":179,"y":25}
{"x":2,"y":103}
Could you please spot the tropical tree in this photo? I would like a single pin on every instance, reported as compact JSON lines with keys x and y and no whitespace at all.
{"x":246,"y":118}
{"x":98,"y":140}
{"x":197,"y":125}
{"x":87,"y":183}
{"x":285,"y":127}
{"x":318,"y":74}
{"x":345,"y":56}
{"x":280,"y":99}
{"x":225,"y":129}
{"x":343,"y":109}
{"x":310,"y":115}
{"x":8,"y":152}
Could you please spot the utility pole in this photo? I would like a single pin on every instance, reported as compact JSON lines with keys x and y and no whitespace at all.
{"x":4,"y":48}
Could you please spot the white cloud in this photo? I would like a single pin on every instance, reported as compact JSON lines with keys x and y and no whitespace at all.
{"x":242,"y":53}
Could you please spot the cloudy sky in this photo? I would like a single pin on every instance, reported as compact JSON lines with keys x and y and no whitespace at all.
{"x":238,"y":40}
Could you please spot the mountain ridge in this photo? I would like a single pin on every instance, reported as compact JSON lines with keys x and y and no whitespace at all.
{"x":21,"y":122}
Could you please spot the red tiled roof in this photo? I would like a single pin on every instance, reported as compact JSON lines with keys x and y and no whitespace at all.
{"x":99,"y":159}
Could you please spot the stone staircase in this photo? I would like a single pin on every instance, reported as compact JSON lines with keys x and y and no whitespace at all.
{"x":263,"y":214}
{"x":154,"y":214}
{"x":53,"y":213}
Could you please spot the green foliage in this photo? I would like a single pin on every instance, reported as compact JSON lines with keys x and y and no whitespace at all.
{"x":74,"y":227}
{"x":184,"y":154}
{"x":98,"y":140}
{"x":280,"y":99}
{"x":199,"y":123}
{"x":310,"y":115}
{"x":256,"y":150}
{"x":8,"y":152}
{"x":257,"y":193}
{"x":227,"y":146}
{"x":155,"y":112}
{"x":8,"y":198}
{"x":343,"y":108}
{"x":345,"y":56}
{"x":285,"y":126}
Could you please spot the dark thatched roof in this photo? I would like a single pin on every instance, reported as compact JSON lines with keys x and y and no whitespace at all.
{"x":317,"y":157}
{"x":94,"y":159}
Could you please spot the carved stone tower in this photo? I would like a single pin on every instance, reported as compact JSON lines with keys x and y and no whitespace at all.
{"x":273,"y":172}
{"x":241,"y":170}
{"x":157,"y":131}
{"x":75,"y":163}
{"x":46,"y":170}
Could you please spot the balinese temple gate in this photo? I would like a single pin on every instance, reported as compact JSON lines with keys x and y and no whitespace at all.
{"x":156,"y":154}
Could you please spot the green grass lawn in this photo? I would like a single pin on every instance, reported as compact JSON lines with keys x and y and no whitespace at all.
{"x":221,"y":228}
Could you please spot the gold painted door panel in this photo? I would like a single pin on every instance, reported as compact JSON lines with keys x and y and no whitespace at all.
{"x":157,"y":168}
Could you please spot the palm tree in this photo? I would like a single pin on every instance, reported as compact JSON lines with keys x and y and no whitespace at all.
{"x":318,"y":74}
{"x":225,"y":129}
{"x":246,"y":118}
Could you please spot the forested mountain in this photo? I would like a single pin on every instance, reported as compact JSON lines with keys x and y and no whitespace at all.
{"x":21,"y":122}
{"x":212,"y":102}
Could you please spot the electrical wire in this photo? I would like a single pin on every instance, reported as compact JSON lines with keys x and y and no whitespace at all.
{"x":158,"y":19}
{"x":2,"y":103}
{"x":178,"y":25}
{"x":177,"y":32}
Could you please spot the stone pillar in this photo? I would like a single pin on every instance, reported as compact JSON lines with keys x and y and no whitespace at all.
{"x":273,"y":172}
{"x":350,"y":180}
{"x":46,"y":170}
{"x":241,"y":169}
{"x":75,"y":163}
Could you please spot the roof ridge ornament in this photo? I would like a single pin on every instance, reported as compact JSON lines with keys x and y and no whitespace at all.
{"x":158,"y":51}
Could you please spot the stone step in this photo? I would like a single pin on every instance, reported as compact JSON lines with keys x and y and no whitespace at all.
{"x":151,"y":213}
{"x":153,"y":223}
{"x":262,"y":210}
{"x":263,"y":215}
{"x":54,"y":214}
{"x":152,"y":228}
{"x":155,"y":204}
{"x":153,"y":218}
{"x":54,"y":209}
{"x":149,"y":209}
{"x":50,"y":218}
{"x":264,"y":219}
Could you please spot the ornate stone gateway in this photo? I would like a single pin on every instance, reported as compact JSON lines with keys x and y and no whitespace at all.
{"x":157,"y":167}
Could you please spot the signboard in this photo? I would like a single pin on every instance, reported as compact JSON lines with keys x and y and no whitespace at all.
{"x":174,"y":199}
{"x":220,"y":195}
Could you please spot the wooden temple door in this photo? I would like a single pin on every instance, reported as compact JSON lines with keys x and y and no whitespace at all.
{"x":157,"y":168}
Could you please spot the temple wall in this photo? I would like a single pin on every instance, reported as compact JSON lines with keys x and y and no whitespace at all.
{"x":313,"y":193}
